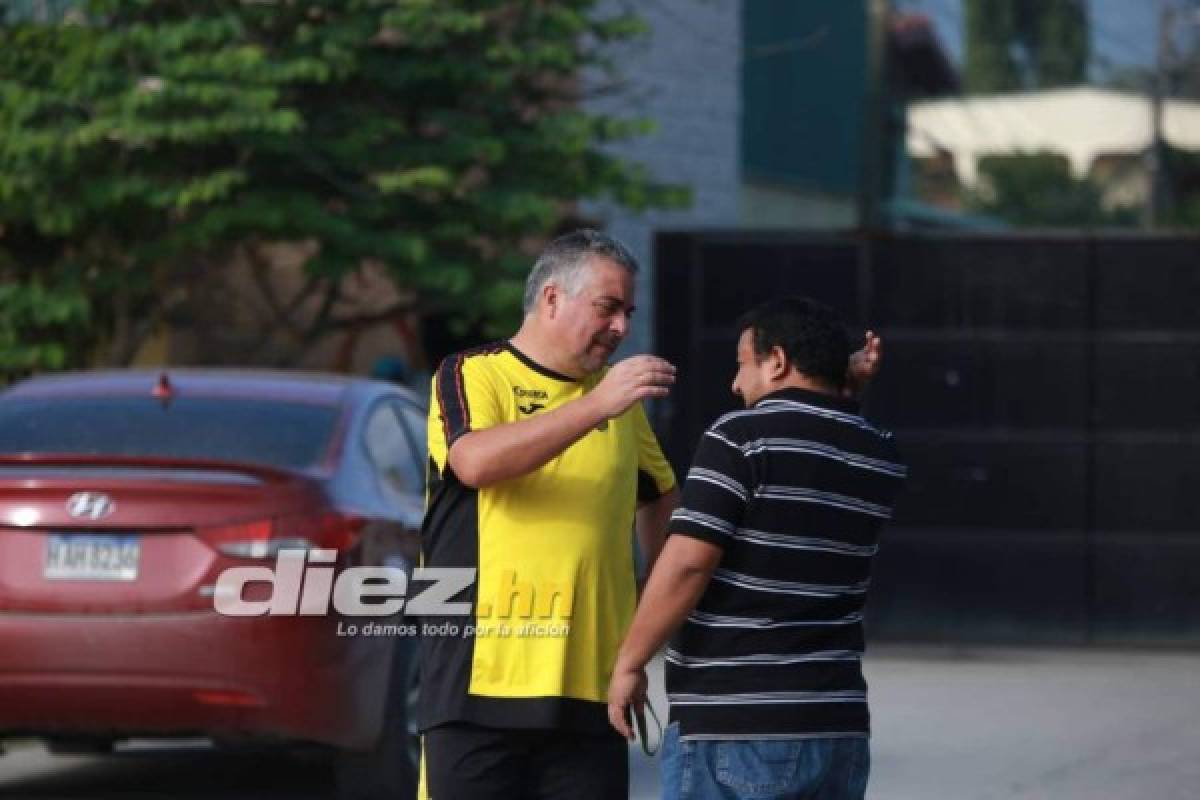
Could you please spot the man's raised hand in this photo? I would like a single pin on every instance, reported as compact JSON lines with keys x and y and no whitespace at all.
{"x":633,"y":380}
{"x":864,"y":365}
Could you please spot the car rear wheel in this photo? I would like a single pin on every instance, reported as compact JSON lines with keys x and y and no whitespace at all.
{"x":388,"y":771}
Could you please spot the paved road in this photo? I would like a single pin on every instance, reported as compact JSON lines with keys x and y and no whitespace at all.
{"x":961,"y":724}
{"x":1025,"y":724}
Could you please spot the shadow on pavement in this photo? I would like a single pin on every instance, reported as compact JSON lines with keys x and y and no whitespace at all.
{"x":191,"y":775}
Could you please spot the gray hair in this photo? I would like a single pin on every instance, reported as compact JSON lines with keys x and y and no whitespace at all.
{"x":565,"y":259}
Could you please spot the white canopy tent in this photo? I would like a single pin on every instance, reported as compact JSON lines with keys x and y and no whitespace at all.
{"x":1080,"y":123}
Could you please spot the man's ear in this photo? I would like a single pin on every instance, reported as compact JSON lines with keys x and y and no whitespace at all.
{"x":552,"y":296}
{"x":779,"y":363}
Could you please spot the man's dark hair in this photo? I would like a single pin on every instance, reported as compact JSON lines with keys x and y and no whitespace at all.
{"x":811,"y":335}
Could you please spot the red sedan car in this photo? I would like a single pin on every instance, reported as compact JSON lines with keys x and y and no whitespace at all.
{"x":125,"y":495}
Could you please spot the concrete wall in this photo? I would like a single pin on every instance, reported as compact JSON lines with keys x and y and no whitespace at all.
{"x":686,"y":75}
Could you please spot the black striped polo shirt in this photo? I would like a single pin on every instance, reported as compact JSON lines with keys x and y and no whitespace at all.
{"x":795,"y":490}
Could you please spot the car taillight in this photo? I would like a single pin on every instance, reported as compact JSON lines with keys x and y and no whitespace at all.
{"x":267,"y":537}
{"x":340,"y":531}
{"x":247,"y":539}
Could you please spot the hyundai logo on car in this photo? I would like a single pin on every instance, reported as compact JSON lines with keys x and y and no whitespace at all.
{"x":90,"y":505}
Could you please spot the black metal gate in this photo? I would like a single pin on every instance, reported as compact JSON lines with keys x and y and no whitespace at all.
{"x":1045,"y":391}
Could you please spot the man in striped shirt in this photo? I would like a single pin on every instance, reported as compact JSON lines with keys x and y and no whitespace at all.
{"x":765,"y":576}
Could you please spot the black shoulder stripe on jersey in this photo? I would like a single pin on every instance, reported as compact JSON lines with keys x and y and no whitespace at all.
{"x":452,"y":399}
{"x":452,"y":392}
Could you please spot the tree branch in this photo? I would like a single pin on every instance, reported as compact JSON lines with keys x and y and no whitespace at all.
{"x":374,"y":318}
{"x":283,"y":315}
{"x":320,"y":323}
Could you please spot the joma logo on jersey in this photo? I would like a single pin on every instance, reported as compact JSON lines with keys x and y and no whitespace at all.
{"x":530,"y":394}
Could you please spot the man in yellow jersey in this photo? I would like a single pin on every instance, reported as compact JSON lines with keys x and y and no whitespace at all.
{"x":540,"y":454}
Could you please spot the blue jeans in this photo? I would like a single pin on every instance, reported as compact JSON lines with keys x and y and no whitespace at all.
{"x":764,"y":769}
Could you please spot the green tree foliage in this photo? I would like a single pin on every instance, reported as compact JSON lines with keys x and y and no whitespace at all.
{"x":988,"y":65}
{"x":1025,"y":44}
{"x":142,"y":142}
{"x":1038,"y":190}
{"x":30,"y":317}
{"x":1183,"y":178}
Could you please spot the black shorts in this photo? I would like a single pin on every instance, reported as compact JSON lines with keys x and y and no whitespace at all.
{"x":469,"y":762}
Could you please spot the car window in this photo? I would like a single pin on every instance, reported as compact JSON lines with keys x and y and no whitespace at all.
{"x":414,"y":420}
{"x":251,"y":430}
{"x":390,"y":449}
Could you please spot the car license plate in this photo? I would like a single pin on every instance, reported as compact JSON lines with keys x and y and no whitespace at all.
{"x":87,"y":557}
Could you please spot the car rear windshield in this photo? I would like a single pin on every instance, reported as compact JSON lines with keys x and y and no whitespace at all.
{"x":259,"y":431}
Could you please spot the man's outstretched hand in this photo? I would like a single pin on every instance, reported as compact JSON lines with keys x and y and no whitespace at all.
{"x":864,"y":365}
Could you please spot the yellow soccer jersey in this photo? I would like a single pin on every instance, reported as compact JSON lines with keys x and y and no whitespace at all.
{"x":555,"y":588}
